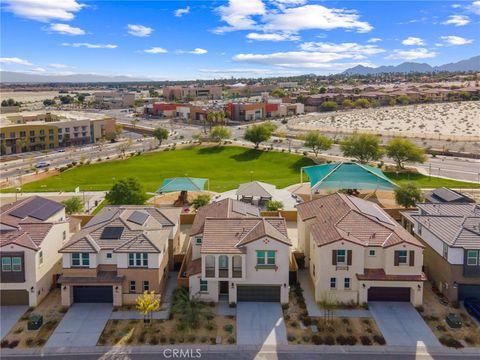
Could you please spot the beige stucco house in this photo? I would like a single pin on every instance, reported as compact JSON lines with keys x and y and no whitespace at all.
{"x":122,"y":252}
{"x":357,"y":253}
{"x":32,"y":232}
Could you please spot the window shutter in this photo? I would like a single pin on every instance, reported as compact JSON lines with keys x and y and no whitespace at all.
{"x":349,"y":257}
{"x":334,"y":257}
{"x":412,"y":258}
{"x":396,"y":261}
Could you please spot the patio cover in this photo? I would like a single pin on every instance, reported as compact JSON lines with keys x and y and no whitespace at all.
{"x":182,"y":184}
{"x":347,"y":175}
{"x":256,"y":189}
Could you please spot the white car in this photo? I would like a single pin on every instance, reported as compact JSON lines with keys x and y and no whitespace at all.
{"x":42,"y":164}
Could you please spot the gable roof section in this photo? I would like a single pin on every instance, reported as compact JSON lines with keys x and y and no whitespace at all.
{"x":18,"y":237}
{"x":256,"y":188}
{"x":31,"y":209}
{"x":81,"y":244}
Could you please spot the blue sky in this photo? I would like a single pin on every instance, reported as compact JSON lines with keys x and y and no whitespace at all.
{"x":213,"y":39}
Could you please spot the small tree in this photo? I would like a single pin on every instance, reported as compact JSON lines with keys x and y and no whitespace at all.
{"x":362,"y":103}
{"x":328,"y":106}
{"x":146,"y":304}
{"x":408,"y":195}
{"x":363,"y":147}
{"x":190,"y":311}
{"x":317,"y":142}
{"x":402,"y":150}
{"x":274,"y":205}
{"x":126,"y":192}
{"x":219,"y":133}
{"x":74,"y":205}
{"x":160,"y":134}
{"x":200,"y":200}
{"x":347,"y":103}
{"x":328,"y":304}
{"x":118,"y":130}
{"x":123,"y":147}
{"x":258,"y":133}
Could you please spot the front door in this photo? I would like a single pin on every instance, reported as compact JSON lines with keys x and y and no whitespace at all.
{"x":223,"y":287}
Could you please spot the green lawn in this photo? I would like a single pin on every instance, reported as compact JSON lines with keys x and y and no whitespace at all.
{"x":429,"y":182}
{"x":226,"y":167}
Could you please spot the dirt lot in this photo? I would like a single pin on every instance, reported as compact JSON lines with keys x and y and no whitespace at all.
{"x":52,"y":313}
{"x":134,"y":332}
{"x":434,"y":313}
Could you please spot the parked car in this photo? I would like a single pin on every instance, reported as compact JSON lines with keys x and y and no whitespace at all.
{"x":472,"y":305}
{"x":42,"y":164}
{"x":61,"y":150}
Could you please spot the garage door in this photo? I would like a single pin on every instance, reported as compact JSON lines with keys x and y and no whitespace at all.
{"x":466,"y":291}
{"x":13,"y":297}
{"x":92,"y":294}
{"x":389,"y":294}
{"x":258,"y":293}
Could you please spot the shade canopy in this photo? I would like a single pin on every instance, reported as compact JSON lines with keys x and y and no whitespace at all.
{"x":256,"y":189}
{"x":182,"y":184}
{"x":347,"y":175}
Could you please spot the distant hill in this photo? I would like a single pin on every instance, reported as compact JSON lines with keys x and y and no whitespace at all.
{"x":17,"y":77}
{"x":472,"y":64}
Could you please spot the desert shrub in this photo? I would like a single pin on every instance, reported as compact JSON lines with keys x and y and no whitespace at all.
{"x":209,"y":317}
{"x":191,"y":339}
{"x":181,"y":340}
{"x":365,"y":340}
{"x":317,"y":340}
{"x":366,"y":321}
{"x":431,"y":318}
{"x":369,"y":330}
{"x":341,"y":340}
{"x":291,"y":338}
{"x":330,"y":329}
{"x":213,"y":340}
{"x":13,"y":344}
{"x":141,"y":337}
{"x":450,"y":342}
{"x":351,"y":340}
{"x":229,"y":328}
{"x":329,"y":340}
{"x":231,"y":340}
{"x":287,"y":317}
{"x":307,"y":321}
{"x":154,"y":340}
{"x":4,"y":344}
{"x":306,"y":338}
{"x":115,"y":321}
{"x":379,"y":339}
{"x":294,"y":324}
{"x":210,"y":326}
{"x":349,"y":331}
{"x":29,"y":342}
{"x":455,"y":304}
{"x":203,"y":339}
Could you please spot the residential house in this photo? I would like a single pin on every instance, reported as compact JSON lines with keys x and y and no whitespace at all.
{"x":357,"y":253}
{"x":32,"y":230}
{"x":122,"y":252}
{"x":451,"y":235}
{"x":446,"y":195}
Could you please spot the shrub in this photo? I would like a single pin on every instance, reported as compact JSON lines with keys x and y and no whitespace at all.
{"x":365,"y":340}
{"x":331,"y":329}
{"x":232,"y":305}
{"x":307,"y":321}
{"x":209,"y":317}
{"x":291,"y":338}
{"x":420,"y":309}
{"x":366,"y":321}
{"x":469,"y":340}
{"x":29,"y":341}
{"x":306,"y":338}
{"x":231,"y":340}
{"x":191,"y":339}
{"x":213,"y":340}
{"x":141,"y":338}
{"x":441,"y":328}
{"x":455,"y":304}
{"x":450,"y":342}
{"x":4,"y":344}
{"x":13,"y":344}
{"x":229,"y":328}
{"x":287,"y":317}
{"x":317,"y":340}
{"x":210,"y":326}
{"x":379,"y":339}
{"x":349,"y":331}
{"x":154,"y":340}
{"x":329,"y":340}
{"x":351,"y":340}
{"x":171,"y":340}
{"x":341,"y":340}
{"x":163,"y":339}
{"x":294,"y":324}
{"x":203,"y":339}
{"x":284,"y":306}
{"x":40,"y":342}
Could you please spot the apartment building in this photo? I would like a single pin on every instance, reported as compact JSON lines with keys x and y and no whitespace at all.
{"x":210,"y":92}
{"x":355,"y":252}
{"x":37,"y":130}
{"x":450,"y":233}
{"x":32,"y":230}
{"x":120,"y":253}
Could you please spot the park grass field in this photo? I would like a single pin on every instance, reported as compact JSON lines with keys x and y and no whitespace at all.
{"x":427,"y":182}
{"x":226,"y":167}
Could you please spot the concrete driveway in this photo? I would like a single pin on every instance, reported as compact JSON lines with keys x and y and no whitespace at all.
{"x":82,"y":325}
{"x":260,"y":324}
{"x":9,"y":316}
{"x":401,"y":324}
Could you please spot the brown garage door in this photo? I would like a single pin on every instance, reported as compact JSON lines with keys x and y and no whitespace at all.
{"x":389,"y":294}
{"x":13,"y":297}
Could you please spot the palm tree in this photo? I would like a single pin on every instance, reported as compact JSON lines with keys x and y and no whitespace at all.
{"x":189,"y":310}
{"x":211,"y":116}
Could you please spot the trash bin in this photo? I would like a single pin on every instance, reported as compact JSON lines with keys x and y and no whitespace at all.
{"x":35,"y":322}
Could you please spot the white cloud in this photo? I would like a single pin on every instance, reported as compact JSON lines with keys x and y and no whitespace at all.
{"x":413,"y":41}
{"x":156,"y":50}
{"x":181,"y":12}
{"x":44,"y":10}
{"x":351,"y":50}
{"x":273,"y":37}
{"x":456,"y":40}
{"x":196,"y":51}
{"x":245,"y":71}
{"x":457,"y":20}
{"x":38,"y":70}
{"x":14,"y":60}
{"x":374,"y":40}
{"x":58,"y":66}
{"x":419,"y":53}
{"x":475,"y":7}
{"x":66,"y":29}
{"x":91,"y":46}
{"x":238,"y":14}
{"x":139,"y":30}
{"x":456,"y":6}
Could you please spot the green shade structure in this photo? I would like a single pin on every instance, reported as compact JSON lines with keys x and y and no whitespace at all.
{"x":347,"y":175}
{"x":182,"y":184}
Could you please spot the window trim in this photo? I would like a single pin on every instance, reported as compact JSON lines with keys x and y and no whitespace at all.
{"x":9,"y":264}
{"x":333,"y":280}
{"x":475,"y":257}
{"x":198,"y":241}
{"x":266,"y":258}
{"x":109,"y":255}
{"x":345,"y":283}
{"x":138,"y":260}
{"x":400,"y":262}
{"x":344,"y":262}
{"x":204,"y":283}
{"x":132,"y":287}
{"x":370,"y":252}
{"x":83,"y":259}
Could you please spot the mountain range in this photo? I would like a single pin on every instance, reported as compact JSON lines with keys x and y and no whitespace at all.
{"x":472,"y":64}
{"x":18,"y":77}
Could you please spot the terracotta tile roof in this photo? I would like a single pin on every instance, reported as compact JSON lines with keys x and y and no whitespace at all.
{"x":195,"y":267}
{"x":341,"y":217}
{"x":29,"y":235}
{"x":379,"y":275}
{"x":84,"y":243}
{"x":227,"y":235}
{"x":226,"y":208}
{"x":18,"y":237}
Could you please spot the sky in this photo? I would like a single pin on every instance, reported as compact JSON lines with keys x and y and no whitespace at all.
{"x":178,"y":40}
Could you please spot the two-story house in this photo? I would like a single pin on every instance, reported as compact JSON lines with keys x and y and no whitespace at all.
{"x":242,"y":259}
{"x":357,"y":253}
{"x":451,"y":235}
{"x":32,"y":230}
{"x":122,"y":252}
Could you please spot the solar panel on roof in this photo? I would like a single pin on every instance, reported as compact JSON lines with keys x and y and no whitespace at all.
{"x":138,"y":217}
{"x":111,"y":233}
{"x":38,"y":208}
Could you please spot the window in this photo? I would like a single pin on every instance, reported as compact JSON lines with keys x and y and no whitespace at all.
{"x":346,"y":283}
{"x":6,"y":264}
{"x":265,"y":258}
{"x":472,"y":257}
{"x":133,"y":286}
{"x":42,"y":132}
{"x":40,"y":257}
{"x":341,"y":258}
{"x":402,"y":257}
{"x":445,"y":251}
{"x":313,"y":270}
{"x":109,"y":255}
{"x":23,"y":134}
{"x":371,"y":252}
{"x":198,"y":241}
{"x":138,"y":259}
{"x":64,"y":235}
{"x":32,"y":132}
{"x":333,"y":283}
{"x":146,"y":285}
{"x":80,"y":259}
{"x":203,"y":285}
{"x":16,"y":263}
{"x":223,"y":262}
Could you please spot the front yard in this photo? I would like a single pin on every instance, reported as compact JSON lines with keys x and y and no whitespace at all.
{"x":52,"y":313}
{"x":434,"y":313}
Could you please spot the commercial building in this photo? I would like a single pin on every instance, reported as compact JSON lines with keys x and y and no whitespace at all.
{"x":211,"y":92}
{"x":114,"y":99}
